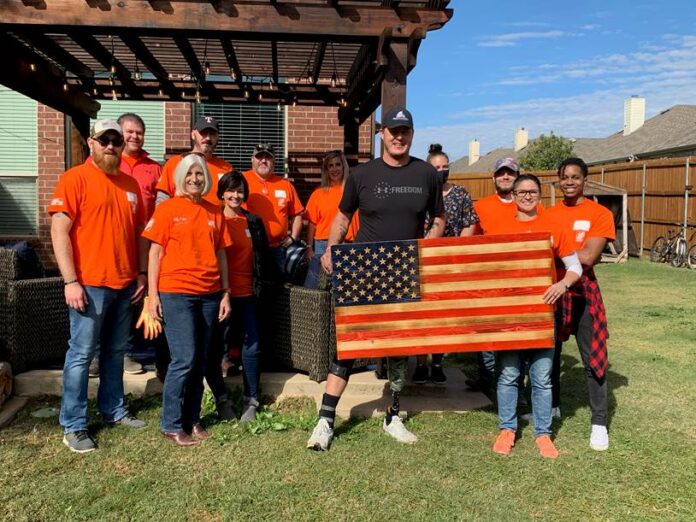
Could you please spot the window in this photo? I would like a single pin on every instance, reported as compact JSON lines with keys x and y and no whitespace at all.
{"x":152,"y":114}
{"x":242,"y":126}
{"x":18,"y":164}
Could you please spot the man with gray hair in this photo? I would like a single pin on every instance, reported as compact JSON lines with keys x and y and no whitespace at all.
{"x":96,"y":218}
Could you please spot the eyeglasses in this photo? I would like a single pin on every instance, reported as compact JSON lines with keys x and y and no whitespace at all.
{"x":104,"y":141}
{"x":524,"y":193}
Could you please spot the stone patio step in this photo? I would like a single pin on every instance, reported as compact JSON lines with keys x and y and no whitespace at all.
{"x":365,"y":395}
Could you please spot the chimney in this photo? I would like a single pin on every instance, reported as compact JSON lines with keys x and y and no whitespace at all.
{"x":634,"y":114}
{"x":521,"y":139}
{"x":474,"y":151}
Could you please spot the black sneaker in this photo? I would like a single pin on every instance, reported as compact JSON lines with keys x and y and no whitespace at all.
{"x":79,"y":442}
{"x":437,"y":376}
{"x":420,"y":376}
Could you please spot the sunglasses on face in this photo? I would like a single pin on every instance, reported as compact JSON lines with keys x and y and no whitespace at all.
{"x":104,"y":141}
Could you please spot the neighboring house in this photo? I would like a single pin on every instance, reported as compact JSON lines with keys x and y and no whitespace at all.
{"x":35,"y":148}
{"x":672,"y":133}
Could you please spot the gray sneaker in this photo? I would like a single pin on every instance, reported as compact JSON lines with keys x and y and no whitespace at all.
{"x":130,"y":422}
{"x":79,"y":442}
{"x":249,"y":409}
{"x":131,"y":367}
{"x":321,"y":437}
{"x":397,"y":430}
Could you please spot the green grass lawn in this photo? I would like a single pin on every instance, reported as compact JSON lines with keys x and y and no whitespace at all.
{"x":264,"y":472}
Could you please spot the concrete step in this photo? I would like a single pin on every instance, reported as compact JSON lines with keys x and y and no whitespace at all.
{"x":365,"y":395}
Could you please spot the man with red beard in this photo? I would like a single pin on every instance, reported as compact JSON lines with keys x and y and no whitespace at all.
{"x":96,"y":218}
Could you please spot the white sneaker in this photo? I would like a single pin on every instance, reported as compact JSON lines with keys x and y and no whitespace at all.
{"x":321,"y":437}
{"x":556,"y":412}
{"x":397,"y":430}
{"x":599,"y":438}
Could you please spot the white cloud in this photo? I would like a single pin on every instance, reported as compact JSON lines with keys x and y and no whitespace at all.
{"x":511,"y":39}
{"x":665,"y":78}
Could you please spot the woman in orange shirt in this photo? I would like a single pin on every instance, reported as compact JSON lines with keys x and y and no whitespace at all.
{"x":249,"y":263}
{"x":526,"y":192}
{"x":188,"y":289}
{"x":323,"y":203}
{"x":321,"y":210}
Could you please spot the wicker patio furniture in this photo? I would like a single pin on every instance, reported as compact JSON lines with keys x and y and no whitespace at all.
{"x":34,"y":326}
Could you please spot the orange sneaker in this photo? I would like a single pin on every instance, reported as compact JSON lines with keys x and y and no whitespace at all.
{"x":504,"y":442}
{"x":546,"y":447}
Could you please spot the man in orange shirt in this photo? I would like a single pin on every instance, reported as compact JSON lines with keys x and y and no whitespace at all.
{"x":97,"y":215}
{"x":136,"y":163}
{"x":205,"y":137}
{"x":495,"y":212}
{"x":581,"y":312}
{"x":275,"y":201}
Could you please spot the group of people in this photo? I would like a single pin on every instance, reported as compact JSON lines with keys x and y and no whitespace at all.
{"x":196,"y":239}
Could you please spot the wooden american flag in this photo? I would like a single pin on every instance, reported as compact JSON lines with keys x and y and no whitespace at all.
{"x":443,"y":295}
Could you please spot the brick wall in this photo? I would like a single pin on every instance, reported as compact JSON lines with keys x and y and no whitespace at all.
{"x":312,"y":131}
{"x":177,"y":127}
{"x":51,"y":164}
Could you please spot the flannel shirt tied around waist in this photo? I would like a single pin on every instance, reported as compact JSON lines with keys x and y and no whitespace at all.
{"x":588,"y":288}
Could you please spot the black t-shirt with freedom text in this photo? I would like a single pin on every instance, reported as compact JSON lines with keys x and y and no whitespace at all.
{"x":393,"y":201}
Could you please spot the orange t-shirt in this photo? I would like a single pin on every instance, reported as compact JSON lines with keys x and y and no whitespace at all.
{"x":216,"y":166}
{"x":106,"y":211}
{"x":561,"y":241}
{"x":585,"y":220}
{"x":321,"y":211}
{"x":240,"y":257}
{"x":147,"y":173}
{"x":190,"y":234}
{"x":275,"y":201}
{"x":495,"y":214}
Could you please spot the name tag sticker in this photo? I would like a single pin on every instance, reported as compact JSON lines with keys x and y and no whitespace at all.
{"x":581,"y":224}
{"x":280,"y":194}
{"x":132,"y":198}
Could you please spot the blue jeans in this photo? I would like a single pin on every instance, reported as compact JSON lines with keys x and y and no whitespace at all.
{"x":540,"y":362}
{"x":245,"y":308}
{"x":320,"y":246}
{"x":188,"y":325}
{"x":105,"y":324}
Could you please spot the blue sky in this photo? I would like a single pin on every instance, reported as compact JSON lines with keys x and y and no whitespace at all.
{"x":564,"y":67}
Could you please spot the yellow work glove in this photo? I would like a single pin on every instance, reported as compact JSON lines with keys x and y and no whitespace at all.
{"x":151,"y":327}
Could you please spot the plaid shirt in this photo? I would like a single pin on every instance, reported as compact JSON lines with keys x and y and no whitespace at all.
{"x":590,"y":292}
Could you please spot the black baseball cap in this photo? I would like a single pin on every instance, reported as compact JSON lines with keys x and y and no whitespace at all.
{"x":397,"y":117}
{"x":206,"y":122}
{"x":264,"y":148}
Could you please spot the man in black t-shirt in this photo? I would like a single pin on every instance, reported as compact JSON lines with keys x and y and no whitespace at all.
{"x":393,"y":194}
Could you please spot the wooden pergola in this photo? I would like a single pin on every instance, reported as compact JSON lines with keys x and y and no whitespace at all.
{"x":351,"y":54}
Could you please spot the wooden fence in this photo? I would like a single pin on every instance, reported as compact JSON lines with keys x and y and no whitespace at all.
{"x":659,"y":193}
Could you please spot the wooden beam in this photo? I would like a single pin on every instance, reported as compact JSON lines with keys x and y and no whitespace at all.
{"x":139,"y":49}
{"x":64,"y":59}
{"x":231,"y":57}
{"x":354,"y":22}
{"x":318,"y":62}
{"x":274,"y":61}
{"x":395,"y":54}
{"x":351,"y":136}
{"x":90,"y":44}
{"x":45,"y":85}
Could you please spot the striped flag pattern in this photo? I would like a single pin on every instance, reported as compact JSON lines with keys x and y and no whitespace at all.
{"x":443,"y":295}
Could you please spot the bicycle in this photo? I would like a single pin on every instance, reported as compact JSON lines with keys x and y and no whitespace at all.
{"x":663,"y":249}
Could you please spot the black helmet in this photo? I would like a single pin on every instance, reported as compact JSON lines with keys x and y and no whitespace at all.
{"x":295,"y":266}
